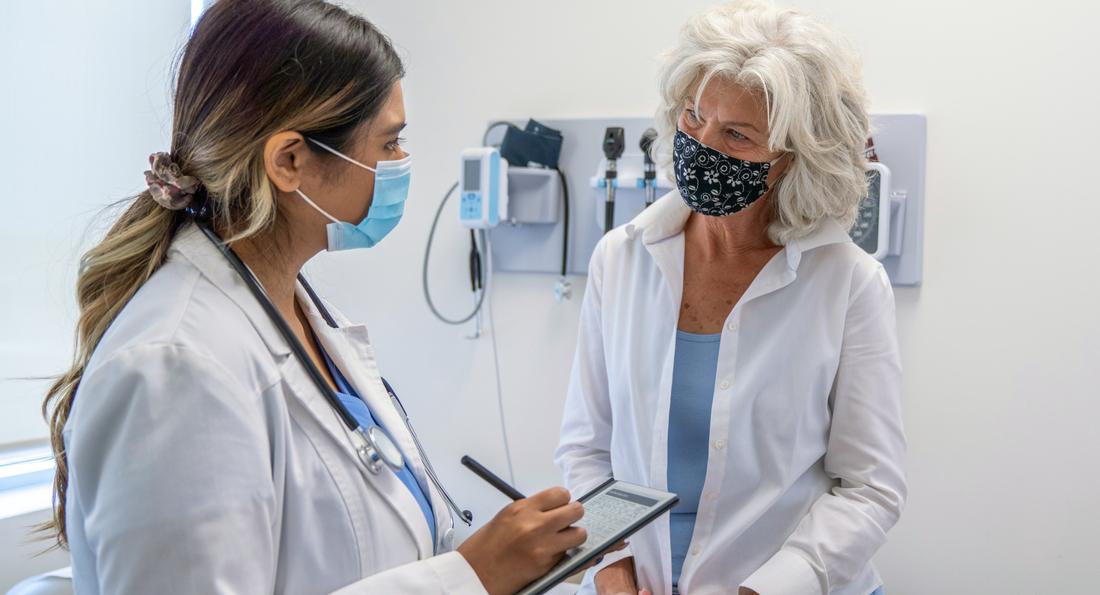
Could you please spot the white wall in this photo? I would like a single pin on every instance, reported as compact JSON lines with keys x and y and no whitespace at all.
{"x":84,"y":99}
{"x":1000,"y":345}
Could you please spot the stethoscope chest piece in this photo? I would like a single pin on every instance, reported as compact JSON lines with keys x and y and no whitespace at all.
{"x":378,"y":449}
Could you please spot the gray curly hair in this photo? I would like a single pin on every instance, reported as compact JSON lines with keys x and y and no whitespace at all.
{"x":811,"y":81}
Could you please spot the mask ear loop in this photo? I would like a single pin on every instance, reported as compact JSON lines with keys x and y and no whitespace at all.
{"x":340,"y":155}
{"x":771,"y":187}
{"x":314,"y":205}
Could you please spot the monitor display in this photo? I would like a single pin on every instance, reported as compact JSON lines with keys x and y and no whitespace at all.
{"x":472,"y":177}
{"x":865,"y":230}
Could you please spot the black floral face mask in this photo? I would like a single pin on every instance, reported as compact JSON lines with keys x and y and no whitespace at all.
{"x":713,"y":183}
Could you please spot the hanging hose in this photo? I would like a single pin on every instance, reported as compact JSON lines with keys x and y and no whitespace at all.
{"x":427,"y":258}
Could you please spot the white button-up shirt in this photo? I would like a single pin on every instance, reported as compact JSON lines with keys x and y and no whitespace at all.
{"x":804,"y":474}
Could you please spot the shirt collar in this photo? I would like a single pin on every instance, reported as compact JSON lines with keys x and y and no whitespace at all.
{"x":666,"y":218}
{"x":663,"y":219}
{"x":827,"y":232}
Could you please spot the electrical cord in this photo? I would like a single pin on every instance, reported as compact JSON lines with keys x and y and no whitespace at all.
{"x":485,"y":135}
{"x":488,"y":243}
{"x":482,"y":282}
{"x":485,"y":287}
{"x":565,"y":222}
{"x":476,"y":277}
{"x":427,"y":258}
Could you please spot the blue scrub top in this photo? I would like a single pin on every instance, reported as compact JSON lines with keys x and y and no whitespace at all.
{"x":359,"y":410}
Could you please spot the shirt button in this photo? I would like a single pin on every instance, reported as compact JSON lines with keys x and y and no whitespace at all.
{"x":725,"y":385}
{"x":732,"y":326}
{"x":719,"y":443}
{"x":695,"y":551}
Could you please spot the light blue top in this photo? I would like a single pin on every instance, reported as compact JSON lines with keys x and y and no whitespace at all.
{"x":359,"y":410}
{"x":693,"y":371}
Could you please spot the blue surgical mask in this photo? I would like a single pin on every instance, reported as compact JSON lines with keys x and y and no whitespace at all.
{"x":391,"y":190}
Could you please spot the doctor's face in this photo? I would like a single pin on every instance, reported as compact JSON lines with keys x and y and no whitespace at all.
{"x":345,"y":188}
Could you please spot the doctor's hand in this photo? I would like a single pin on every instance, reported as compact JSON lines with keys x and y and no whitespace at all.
{"x":524,"y":540}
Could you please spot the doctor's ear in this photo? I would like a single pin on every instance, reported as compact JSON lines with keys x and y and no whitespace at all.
{"x":285,"y":153}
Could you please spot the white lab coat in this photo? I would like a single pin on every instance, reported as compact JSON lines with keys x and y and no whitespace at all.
{"x":804,"y":473}
{"x":202,"y":459}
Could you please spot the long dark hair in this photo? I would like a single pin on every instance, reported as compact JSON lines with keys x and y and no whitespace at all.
{"x":250,"y":69}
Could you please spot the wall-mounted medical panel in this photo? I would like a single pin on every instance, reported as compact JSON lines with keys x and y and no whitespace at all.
{"x":890,"y":225}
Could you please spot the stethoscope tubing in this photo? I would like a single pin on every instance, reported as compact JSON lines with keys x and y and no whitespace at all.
{"x":315,"y":375}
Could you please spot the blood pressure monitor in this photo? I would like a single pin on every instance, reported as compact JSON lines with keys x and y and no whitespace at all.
{"x":483,"y":184}
{"x":871,"y":230}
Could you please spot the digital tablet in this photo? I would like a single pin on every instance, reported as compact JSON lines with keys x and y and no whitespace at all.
{"x":612,"y":512}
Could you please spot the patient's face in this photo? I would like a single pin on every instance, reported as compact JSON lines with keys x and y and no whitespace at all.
{"x":731,"y":119}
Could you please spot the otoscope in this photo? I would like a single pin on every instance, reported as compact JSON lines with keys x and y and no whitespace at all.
{"x":613,"y":146}
{"x":650,"y":175}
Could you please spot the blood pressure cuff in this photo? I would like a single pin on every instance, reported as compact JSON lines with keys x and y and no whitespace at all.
{"x":536,"y":144}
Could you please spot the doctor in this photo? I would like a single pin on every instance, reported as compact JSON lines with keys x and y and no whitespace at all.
{"x":223,"y":429}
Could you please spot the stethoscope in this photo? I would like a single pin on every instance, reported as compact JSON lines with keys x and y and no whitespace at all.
{"x":378,"y":450}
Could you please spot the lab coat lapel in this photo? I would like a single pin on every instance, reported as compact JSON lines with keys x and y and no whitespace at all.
{"x":196,"y":248}
{"x":191,"y":244}
{"x":349,"y":348}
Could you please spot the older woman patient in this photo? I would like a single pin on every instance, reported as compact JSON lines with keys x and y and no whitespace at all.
{"x":735,"y":346}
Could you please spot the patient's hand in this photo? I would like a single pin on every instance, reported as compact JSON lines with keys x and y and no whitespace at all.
{"x":618,"y":579}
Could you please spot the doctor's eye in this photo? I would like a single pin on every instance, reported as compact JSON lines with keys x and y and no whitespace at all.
{"x":395,"y":144}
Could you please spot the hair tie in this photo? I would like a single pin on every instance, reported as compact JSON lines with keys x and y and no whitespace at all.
{"x":169,"y":187}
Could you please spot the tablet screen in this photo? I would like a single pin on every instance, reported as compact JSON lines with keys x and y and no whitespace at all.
{"x":612,"y":512}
